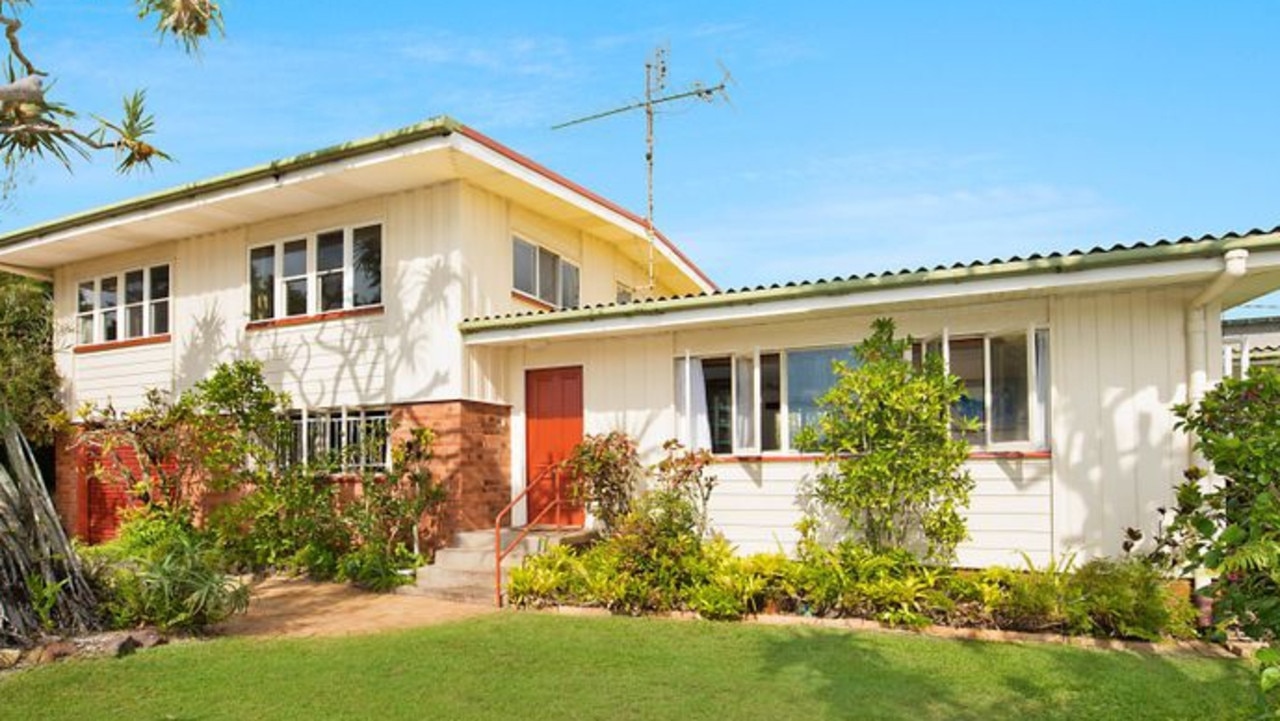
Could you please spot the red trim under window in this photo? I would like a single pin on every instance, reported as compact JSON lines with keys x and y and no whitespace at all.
{"x":810,"y":457}
{"x":538,"y":303}
{"x":315,"y":318}
{"x":126,"y":343}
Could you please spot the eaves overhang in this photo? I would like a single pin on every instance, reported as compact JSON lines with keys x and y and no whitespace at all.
{"x":349,"y":172}
{"x":1161,"y":263}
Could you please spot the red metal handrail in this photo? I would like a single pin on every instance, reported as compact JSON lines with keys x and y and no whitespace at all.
{"x":552,"y":473}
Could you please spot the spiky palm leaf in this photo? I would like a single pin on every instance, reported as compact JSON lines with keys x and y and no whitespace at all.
{"x":33,"y":544}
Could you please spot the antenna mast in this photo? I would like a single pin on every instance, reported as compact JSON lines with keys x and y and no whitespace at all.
{"x":655,"y":83}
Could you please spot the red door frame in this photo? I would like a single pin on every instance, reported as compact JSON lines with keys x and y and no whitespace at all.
{"x":553,"y":426}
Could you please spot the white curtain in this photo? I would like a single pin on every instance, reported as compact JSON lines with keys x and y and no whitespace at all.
{"x":693,"y":429}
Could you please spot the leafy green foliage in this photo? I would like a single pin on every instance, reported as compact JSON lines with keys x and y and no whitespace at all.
{"x":163,"y":571}
{"x":1230,"y":525}
{"x":606,"y":470}
{"x":891,"y":466}
{"x":655,"y":563}
{"x":31,"y":382}
{"x":226,"y":435}
{"x":33,"y":126}
{"x":684,"y":472}
{"x":44,"y":597}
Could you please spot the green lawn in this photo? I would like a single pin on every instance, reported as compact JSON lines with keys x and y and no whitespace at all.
{"x":528,"y":666}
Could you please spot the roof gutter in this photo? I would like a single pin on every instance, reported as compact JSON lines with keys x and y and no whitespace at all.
{"x":1235,"y":264}
{"x":275,"y":169}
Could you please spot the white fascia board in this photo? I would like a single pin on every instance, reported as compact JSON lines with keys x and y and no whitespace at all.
{"x":284,"y":179}
{"x":569,"y":195}
{"x":742,"y":309}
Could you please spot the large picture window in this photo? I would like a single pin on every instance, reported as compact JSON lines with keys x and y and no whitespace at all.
{"x":541,"y":274}
{"x":126,"y":306}
{"x":330,"y":271}
{"x":760,"y":401}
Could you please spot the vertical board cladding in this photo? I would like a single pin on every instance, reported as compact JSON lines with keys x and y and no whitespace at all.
{"x":758,"y":503}
{"x":1119,"y":365}
{"x":423,"y":292}
{"x":627,"y":385}
{"x":341,"y":362}
{"x":210,"y":304}
{"x":470,"y":457}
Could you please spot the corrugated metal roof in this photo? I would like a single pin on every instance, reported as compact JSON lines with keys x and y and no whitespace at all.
{"x":1118,"y":254}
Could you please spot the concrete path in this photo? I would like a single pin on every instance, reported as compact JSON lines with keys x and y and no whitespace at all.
{"x":295,"y":607}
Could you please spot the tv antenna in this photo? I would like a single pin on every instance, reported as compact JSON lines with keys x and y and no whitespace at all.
{"x":655,"y":84}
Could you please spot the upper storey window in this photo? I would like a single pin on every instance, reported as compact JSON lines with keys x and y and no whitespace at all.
{"x":329,"y":271}
{"x":128,"y":305}
{"x":541,"y":274}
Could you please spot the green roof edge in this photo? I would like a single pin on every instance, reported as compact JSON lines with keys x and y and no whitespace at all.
{"x":1071,"y":263}
{"x":437,"y":126}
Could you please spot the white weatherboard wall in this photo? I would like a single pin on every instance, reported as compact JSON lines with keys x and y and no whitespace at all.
{"x":446,"y":256}
{"x":1119,"y":365}
{"x":628,"y":384}
{"x":758,"y":503}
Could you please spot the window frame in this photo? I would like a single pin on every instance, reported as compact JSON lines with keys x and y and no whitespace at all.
{"x":1037,"y":338}
{"x":305,"y":422}
{"x":1039,"y":390}
{"x":561,"y":262}
{"x":312,"y":276}
{"x":95,"y":319}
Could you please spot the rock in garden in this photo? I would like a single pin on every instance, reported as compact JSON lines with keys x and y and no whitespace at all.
{"x":148,"y":638}
{"x":120,"y":644}
{"x":51,"y":652}
{"x":9,"y":657}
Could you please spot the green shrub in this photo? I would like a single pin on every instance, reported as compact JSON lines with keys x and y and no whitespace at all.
{"x":164,"y":572}
{"x":372,"y":568}
{"x":1128,"y":598}
{"x":606,"y":470}
{"x":892,"y":466}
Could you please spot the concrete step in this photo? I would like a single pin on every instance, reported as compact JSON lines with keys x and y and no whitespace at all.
{"x":464,"y":570}
{"x":532,"y":543}
{"x":436,"y":577}
{"x":475,"y":558}
{"x":460,"y":594}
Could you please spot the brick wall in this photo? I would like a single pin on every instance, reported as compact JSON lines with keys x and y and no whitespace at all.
{"x":68,"y":495}
{"x":88,"y":502}
{"x":471,"y":457}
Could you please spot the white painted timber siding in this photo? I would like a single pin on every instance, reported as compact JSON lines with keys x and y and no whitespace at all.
{"x":120,"y":378}
{"x":446,"y":256}
{"x":1119,"y":365}
{"x":335,"y":363}
{"x":757,"y":505}
{"x":629,"y":385}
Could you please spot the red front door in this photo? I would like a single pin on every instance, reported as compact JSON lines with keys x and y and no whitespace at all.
{"x":553,"y":408}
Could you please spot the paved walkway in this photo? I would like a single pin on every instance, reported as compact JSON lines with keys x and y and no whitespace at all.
{"x":296,"y":607}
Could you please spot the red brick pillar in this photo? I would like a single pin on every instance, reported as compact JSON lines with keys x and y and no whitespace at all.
{"x":471,"y":458}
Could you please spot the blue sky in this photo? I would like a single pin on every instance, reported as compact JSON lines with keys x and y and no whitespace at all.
{"x":861,"y":137}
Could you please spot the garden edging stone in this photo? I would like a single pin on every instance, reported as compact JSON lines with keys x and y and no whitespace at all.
{"x":1171,"y":647}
